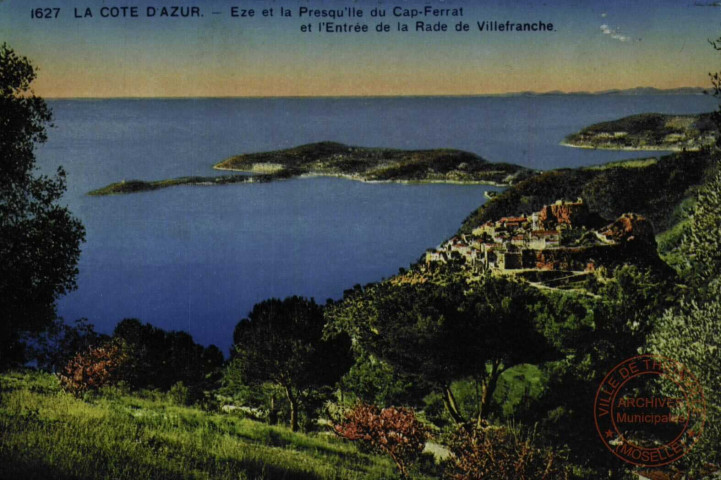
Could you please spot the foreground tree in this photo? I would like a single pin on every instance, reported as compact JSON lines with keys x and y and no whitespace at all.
{"x":39,"y":239}
{"x":594,"y":332}
{"x":691,"y":332}
{"x":161,"y":359}
{"x":281,"y":342}
{"x":437,"y":334}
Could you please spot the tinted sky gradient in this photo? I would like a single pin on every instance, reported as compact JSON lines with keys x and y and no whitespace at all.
{"x":596,"y":46}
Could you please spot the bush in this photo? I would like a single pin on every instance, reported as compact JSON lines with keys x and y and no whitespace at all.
{"x":93,"y":369}
{"x":179,"y":394}
{"x":501,"y":453}
{"x":394,"y":431}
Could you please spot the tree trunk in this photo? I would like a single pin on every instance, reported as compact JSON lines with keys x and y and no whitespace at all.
{"x":273,"y":413}
{"x":451,"y":406}
{"x":293,"y":409}
{"x":401,"y":467}
{"x":488,"y":386}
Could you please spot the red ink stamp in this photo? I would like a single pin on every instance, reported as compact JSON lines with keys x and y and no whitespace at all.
{"x":649,"y":410}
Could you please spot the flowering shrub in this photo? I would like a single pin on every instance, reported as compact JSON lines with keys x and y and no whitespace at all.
{"x":501,"y":453}
{"x":394,"y":431}
{"x":94,"y":368}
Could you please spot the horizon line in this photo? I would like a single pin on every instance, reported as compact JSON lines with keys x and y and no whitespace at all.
{"x":610,"y":91}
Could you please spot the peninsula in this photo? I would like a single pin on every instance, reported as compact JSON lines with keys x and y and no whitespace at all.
{"x":338,"y":160}
{"x":648,"y":131}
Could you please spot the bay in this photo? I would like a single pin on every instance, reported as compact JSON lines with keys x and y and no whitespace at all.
{"x":198,"y":258}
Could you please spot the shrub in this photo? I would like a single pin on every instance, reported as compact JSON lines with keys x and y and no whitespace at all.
{"x":394,"y":431}
{"x":179,"y":394}
{"x":501,"y":453}
{"x":97,"y":367}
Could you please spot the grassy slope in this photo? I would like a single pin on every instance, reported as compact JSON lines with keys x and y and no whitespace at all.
{"x":49,"y":434}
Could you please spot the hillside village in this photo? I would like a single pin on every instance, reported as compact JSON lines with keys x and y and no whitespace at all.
{"x":563,"y":236}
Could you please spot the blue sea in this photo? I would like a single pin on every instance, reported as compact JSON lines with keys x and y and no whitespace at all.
{"x":198,"y":258}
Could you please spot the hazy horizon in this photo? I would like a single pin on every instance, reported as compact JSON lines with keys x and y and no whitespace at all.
{"x":509,"y":94}
{"x":593,"y":47}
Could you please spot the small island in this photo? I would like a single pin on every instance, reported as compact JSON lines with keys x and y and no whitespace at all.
{"x":355,"y":163}
{"x":648,"y":131}
{"x":135,"y":186}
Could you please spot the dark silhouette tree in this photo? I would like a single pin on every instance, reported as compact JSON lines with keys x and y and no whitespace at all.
{"x":39,"y":239}
{"x":61,"y":341}
{"x":160,"y":359}
{"x":282,"y":342}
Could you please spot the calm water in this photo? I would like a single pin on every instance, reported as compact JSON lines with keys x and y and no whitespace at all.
{"x":198,"y":258}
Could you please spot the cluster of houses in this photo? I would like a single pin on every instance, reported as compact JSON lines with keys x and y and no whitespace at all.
{"x":544,"y":240}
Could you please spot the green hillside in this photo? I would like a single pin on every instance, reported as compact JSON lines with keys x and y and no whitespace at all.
{"x":650,"y":187}
{"x":48,"y":434}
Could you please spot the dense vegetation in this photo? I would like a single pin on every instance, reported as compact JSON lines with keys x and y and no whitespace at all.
{"x":690,"y":331}
{"x":437,"y":334}
{"x":160,"y":359}
{"x":282,"y":343}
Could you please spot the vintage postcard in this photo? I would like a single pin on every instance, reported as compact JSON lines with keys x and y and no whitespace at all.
{"x":360,"y":239}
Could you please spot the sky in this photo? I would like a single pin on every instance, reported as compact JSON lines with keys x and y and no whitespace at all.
{"x":594,"y":46}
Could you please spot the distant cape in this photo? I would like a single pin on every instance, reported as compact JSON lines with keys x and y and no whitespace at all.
{"x":628,"y":91}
